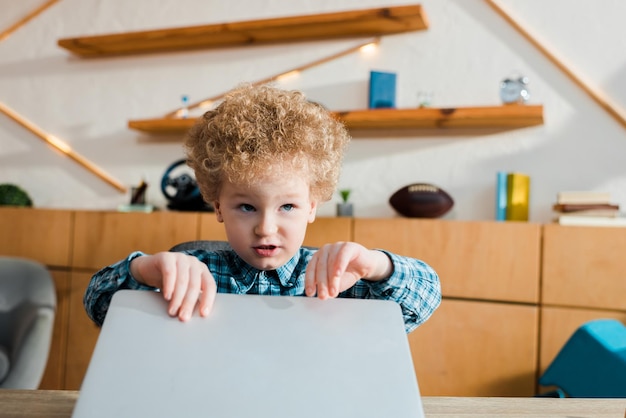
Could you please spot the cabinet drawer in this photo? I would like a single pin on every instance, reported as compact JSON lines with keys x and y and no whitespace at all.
{"x":472,"y":348}
{"x":102,"y":238}
{"x":482,"y":260}
{"x":42,"y":235}
{"x":584,"y":267}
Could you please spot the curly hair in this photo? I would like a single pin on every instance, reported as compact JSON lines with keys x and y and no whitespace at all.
{"x":257,"y":130}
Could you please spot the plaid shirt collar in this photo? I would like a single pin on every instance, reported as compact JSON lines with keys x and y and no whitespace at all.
{"x":284,"y":274}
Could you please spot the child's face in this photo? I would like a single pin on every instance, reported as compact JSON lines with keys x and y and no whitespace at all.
{"x":265,"y":223}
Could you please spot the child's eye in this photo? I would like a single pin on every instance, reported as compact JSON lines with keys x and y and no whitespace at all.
{"x":288,"y":207}
{"x":246,"y":208}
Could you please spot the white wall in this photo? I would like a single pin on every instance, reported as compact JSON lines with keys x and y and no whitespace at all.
{"x":461,"y":58}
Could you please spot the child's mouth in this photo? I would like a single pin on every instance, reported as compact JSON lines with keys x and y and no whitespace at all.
{"x":265,"y":250}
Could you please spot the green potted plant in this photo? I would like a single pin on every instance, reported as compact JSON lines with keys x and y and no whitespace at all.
{"x":12,"y":195}
{"x":345,"y":208}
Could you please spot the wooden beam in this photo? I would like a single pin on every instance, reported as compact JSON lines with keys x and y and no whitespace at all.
{"x":61,"y":146}
{"x":7,"y":32}
{"x":600,"y":98}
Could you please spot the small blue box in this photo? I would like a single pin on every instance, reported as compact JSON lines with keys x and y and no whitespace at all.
{"x":382,"y":90}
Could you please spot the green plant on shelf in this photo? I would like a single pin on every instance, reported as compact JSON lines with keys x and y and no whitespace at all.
{"x":345,"y":195}
{"x":345,"y":207}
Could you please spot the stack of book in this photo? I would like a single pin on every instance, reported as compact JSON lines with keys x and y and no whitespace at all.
{"x":587,"y":208}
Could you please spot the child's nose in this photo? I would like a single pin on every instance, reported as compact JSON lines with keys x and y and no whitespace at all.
{"x":266,"y":226}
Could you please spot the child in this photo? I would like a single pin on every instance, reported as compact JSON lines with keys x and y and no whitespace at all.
{"x":265,"y":158}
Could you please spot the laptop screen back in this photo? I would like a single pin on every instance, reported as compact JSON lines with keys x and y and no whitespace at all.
{"x":254,"y":356}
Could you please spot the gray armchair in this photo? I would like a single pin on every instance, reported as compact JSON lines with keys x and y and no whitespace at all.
{"x":27,"y":310}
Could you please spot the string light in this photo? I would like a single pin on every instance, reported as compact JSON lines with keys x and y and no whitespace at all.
{"x":62,"y":146}
{"x":206,"y":105}
{"x":369,"y":49}
{"x":288,"y":76}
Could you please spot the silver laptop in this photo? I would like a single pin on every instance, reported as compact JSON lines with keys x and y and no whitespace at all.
{"x":254,"y":356}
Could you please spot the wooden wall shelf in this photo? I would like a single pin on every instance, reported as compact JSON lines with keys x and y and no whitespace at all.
{"x":367,"y":22}
{"x":507,"y":116}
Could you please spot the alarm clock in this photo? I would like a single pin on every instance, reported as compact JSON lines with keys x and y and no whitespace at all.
{"x":514,"y":90}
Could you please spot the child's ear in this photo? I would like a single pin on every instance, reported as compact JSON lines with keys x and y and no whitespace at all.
{"x":218,"y":212}
{"x":313,"y":211}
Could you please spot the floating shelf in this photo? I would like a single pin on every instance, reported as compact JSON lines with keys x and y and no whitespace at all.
{"x":162,"y":126}
{"x":507,"y":116}
{"x":367,"y":22}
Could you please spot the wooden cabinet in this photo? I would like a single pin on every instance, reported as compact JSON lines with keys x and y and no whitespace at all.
{"x":584,"y":267}
{"x":75,"y":244}
{"x":482,"y":340}
{"x":496,"y":261}
{"x":584,"y":278}
{"x":39,"y":234}
{"x":101,"y":238}
{"x":471,"y":348}
{"x":210,"y":229}
{"x":498,"y":327}
{"x":325,"y":230}
{"x":82,"y":333}
{"x":54,"y":376}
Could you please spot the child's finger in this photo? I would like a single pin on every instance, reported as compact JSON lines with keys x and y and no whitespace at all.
{"x":168,"y":277}
{"x":333,"y":274}
{"x":191,"y":294}
{"x":180,"y":289}
{"x":321,"y":273}
{"x":207,"y":297}
{"x":309,"y":276}
{"x":338,"y":263}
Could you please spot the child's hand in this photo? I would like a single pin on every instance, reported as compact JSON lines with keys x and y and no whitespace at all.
{"x":183,"y":279}
{"x":337,"y":267}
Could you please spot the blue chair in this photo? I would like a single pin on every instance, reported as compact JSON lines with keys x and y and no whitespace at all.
{"x":592,"y":363}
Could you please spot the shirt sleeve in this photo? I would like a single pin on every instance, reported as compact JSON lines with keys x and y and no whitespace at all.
{"x":105,"y":283}
{"x":414,"y":285}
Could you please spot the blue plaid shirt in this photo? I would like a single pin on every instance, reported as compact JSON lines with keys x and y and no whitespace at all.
{"x":413,"y":284}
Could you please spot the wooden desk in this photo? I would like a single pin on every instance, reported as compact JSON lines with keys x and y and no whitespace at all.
{"x":59,"y":403}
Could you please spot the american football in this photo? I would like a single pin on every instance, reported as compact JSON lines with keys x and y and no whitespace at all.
{"x":421,"y":200}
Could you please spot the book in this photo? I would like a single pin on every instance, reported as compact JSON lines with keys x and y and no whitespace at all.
{"x":382,"y":92}
{"x":501,"y":187}
{"x":517,"y":196}
{"x":606,"y":213}
{"x":578,"y":197}
{"x":584,"y":207}
{"x":572,"y":220}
